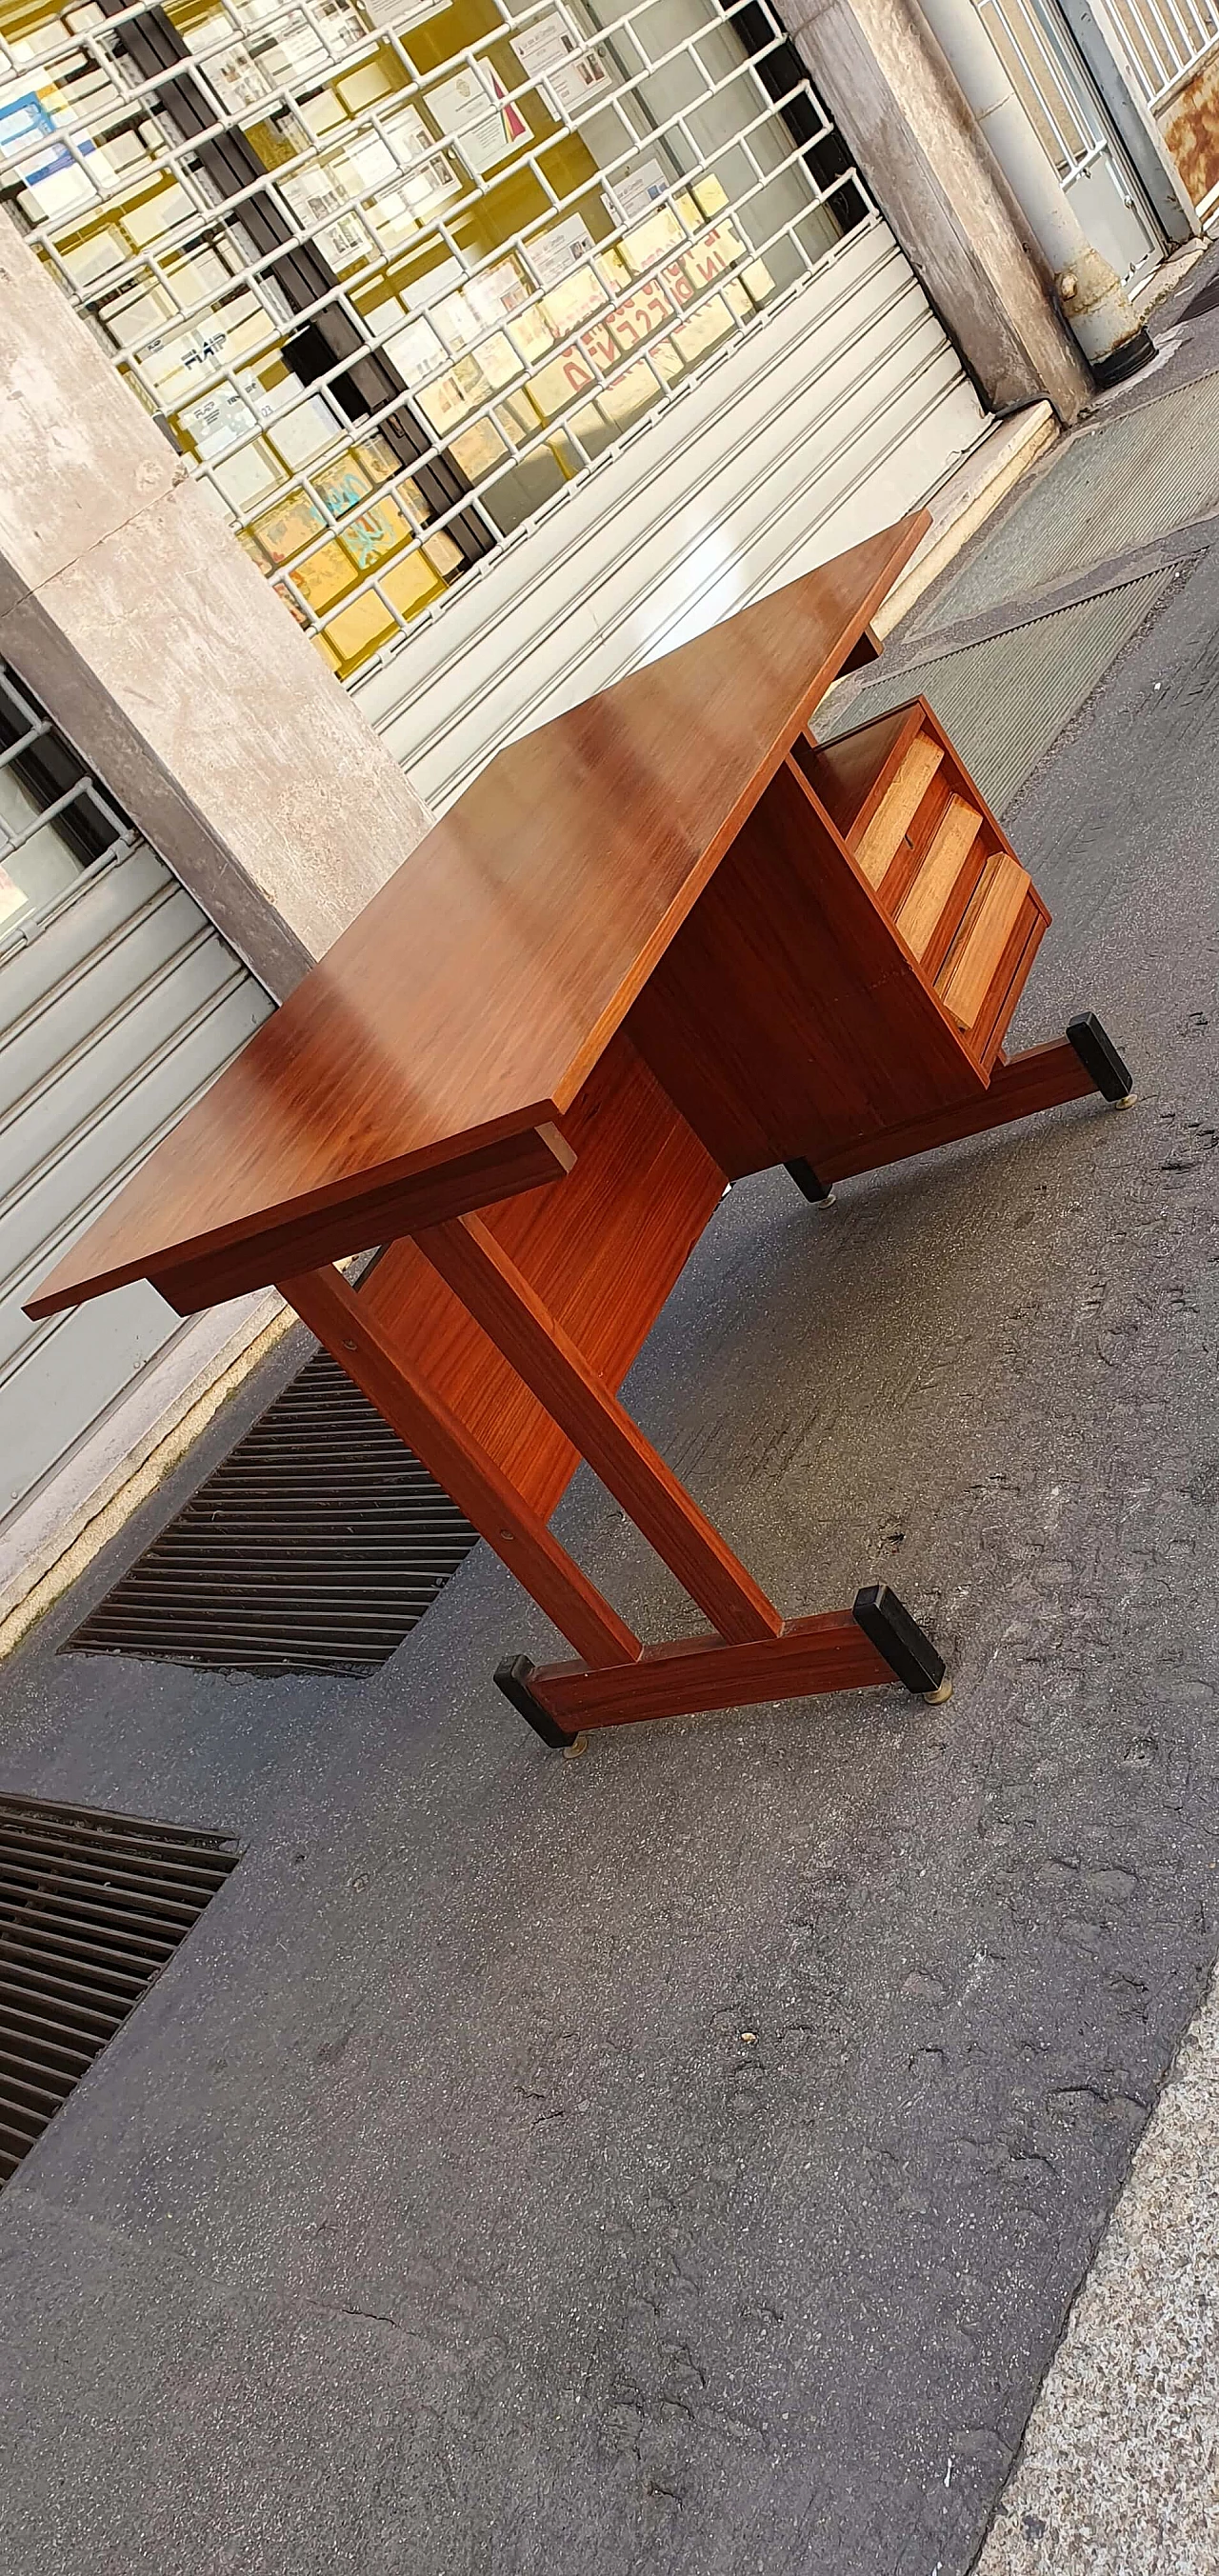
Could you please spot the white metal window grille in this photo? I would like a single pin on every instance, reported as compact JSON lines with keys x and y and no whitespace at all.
{"x":55,"y":820}
{"x":1050,"y":79}
{"x":395,"y":274}
{"x":1165,"y":41}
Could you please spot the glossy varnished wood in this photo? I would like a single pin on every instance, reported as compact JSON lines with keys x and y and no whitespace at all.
{"x":331,"y":1309}
{"x":488,"y":1282}
{"x":472,"y":998}
{"x":1041,"y":1077}
{"x":602,"y":1249}
{"x":693,"y":1674}
{"x":786,"y":1019}
{"x":519,"y":1164}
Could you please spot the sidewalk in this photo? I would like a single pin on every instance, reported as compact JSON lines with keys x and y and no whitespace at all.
{"x":685,"y":2160}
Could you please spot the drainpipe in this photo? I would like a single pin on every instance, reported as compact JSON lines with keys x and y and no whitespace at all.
{"x":1090,"y":294}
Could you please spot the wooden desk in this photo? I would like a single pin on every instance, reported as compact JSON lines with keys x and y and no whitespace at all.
{"x":660,"y":943}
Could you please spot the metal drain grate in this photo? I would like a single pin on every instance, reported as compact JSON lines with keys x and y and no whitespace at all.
{"x":315,"y":1548}
{"x":1205,"y":301}
{"x":91,"y":1908}
{"x":1004,"y":701}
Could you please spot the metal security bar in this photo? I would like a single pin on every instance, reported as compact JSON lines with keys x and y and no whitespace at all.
{"x":1165,"y":40}
{"x":55,"y":819}
{"x":394,"y":275}
{"x":1051,"y":80}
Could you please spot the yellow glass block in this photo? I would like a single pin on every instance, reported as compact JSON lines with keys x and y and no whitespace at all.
{"x":685,"y":207}
{"x":649,"y":242}
{"x":614,"y":269}
{"x":573,"y":300}
{"x":332,"y":659}
{"x":558,"y":384}
{"x":361,"y":88}
{"x":498,"y":360}
{"x":357,"y":631}
{"x":704,"y":329}
{"x":589,"y":428}
{"x":375,"y":457}
{"x":376,"y":533}
{"x":449,"y":399}
{"x":532,"y":334}
{"x":757,"y":281}
{"x":629,"y":395}
{"x":322,"y":111}
{"x":89,"y":258}
{"x":517,"y":417}
{"x":323,"y":577}
{"x":443,"y":556}
{"x":341,"y":484}
{"x":478,"y":449}
{"x":155,"y":215}
{"x":249,"y":544}
{"x":712,"y":198}
{"x":564,"y":455}
{"x":736,"y":299}
{"x":640,"y":313}
{"x":411,"y":499}
{"x":285,"y":530}
{"x":666,"y":360}
{"x":411,"y":585}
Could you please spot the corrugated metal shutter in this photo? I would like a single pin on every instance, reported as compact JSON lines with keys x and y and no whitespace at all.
{"x":118,"y":1005}
{"x":839,"y":412}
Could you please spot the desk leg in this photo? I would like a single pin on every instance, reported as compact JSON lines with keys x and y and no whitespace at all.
{"x":756,"y":1656}
{"x":1041,"y":1077}
{"x":480,"y":1489}
{"x":876,"y":1642}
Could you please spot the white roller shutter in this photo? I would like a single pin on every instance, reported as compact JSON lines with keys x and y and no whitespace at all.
{"x":119,"y":1004}
{"x":838,"y":412}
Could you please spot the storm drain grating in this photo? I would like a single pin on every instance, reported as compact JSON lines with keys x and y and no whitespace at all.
{"x":91,"y":1908}
{"x":1004,"y":701}
{"x":315,"y":1548}
{"x":1205,"y":301}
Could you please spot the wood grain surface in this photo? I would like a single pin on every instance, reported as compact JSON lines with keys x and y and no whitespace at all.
{"x":786,"y":1019}
{"x":332,"y":1310}
{"x":473,"y":995}
{"x":693,"y":1674}
{"x":489,"y":1283}
{"x":602,"y":1249}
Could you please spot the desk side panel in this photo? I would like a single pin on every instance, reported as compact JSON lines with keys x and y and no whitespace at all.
{"x":602,"y":1248}
{"x":787,"y":1018}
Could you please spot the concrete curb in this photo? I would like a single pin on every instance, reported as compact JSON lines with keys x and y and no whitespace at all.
{"x":961,"y":505}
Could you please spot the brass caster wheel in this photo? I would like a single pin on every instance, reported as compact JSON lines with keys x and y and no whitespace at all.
{"x":571,"y":1751}
{"x":1128,"y":1102}
{"x":936,"y":1698}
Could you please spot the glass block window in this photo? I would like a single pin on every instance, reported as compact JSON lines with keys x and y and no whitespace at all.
{"x":394,"y":276}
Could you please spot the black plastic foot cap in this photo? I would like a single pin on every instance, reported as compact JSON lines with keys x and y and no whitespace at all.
{"x":807,"y":1182}
{"x":513,"y":1677}
{"x":1099,"y":1057}
{"x":899,"y":1639}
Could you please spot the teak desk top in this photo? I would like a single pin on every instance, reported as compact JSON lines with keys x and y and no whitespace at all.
{"x":415,"y":1070}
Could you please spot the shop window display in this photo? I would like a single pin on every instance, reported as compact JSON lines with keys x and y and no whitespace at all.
{"x":394,"y":277}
